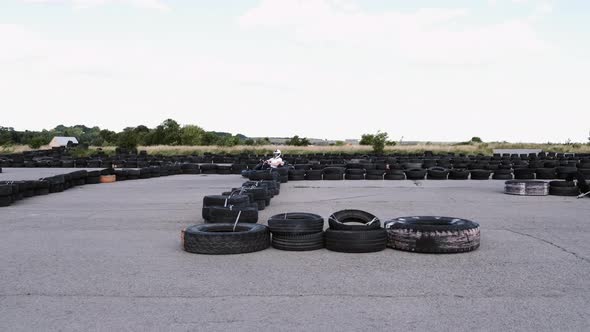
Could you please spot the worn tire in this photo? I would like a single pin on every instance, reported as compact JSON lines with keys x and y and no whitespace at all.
{"x":219,"y":239}
{"x":220,"y":214}
{"x":298,"y":242}
{"x":356,"y":241}
{"x":564,"y":191}
{"x":296,"y":223}
{"x":341,"y":220}
{"x":430,"y":234}
{"x":220,"y":200}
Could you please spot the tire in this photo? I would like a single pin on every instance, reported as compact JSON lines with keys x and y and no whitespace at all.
{"x":355,"y":171}
{"x":480,"y":174}
{"x":220,"y":214}
{"x":438,"y":173}
{"x":415,"y":174}
{"x":221,"y":200}
{"x":313,"y":175}
{"x":356,"y":241}
{"x":334,"y":176}
{"x":526,"y":188}
{"x":354,"y":177}
{"x":500,"y":176}
{"x":341,"y":220}
{"x":373,"y":177}
{"x":524,"y":174}
{"x":564,"y":191}
{"x":458,"y":174}
{"x":554,"y":184}
{"x":429,"y":234}
{"x":5,"y":201}
{"x":261,"y":204}
{"x":298,"y":242}
{"x":5,"y":190}
{"x":296,"y":223}
{"x":394,"y":176}
{"x":219,"y":239}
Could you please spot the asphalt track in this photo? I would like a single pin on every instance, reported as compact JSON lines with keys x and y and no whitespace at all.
{"x":108,"y":257}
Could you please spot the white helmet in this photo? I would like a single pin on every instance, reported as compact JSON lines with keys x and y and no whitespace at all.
{"x":277,"y":153}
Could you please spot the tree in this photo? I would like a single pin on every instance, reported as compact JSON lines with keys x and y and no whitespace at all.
{"x":379,"y":140}
{"x":36,"y":142}
{"x":367,"y":139}
{"x":192,"y":135}
{"x":171,"y":130}
{"x":296,"y":141}
{"x":476,"y":139}
{"x":127,"y":139}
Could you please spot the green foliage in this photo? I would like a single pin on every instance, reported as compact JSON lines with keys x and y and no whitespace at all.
{"x":367,"y":139}
{"x":476,"y":139}
{"x":379,"y":142}
{"x":36,"y":142}
{"x":339,"y":143}
{"x":296,"y":141}
{"x":127,"y":140}
{"x":192,"y":135}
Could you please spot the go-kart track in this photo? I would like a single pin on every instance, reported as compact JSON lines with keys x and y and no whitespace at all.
{"x":109,"y":257}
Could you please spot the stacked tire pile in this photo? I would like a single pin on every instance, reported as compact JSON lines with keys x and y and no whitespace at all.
{"x":355,"y":231}
{"x":297,"y":231}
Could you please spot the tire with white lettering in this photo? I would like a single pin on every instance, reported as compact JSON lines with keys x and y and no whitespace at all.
{"x":224,"y":239}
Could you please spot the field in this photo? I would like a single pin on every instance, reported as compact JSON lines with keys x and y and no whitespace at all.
{"x":483,"y":148}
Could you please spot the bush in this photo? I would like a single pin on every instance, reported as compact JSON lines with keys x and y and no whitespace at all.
{"x":36,"y":142}
{"x":127,"y":140}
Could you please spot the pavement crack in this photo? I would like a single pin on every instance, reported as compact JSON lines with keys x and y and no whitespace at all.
{"x":551,"y":243}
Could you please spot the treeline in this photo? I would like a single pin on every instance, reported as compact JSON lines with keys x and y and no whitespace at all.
{"x":168,"y":132}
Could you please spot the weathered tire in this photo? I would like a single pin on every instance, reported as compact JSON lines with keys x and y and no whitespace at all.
{"x":458,"y":174}
{"x":394,"y":176}
{"x":334,"y":176}
{"x":341,"y":220}
{"x":313,"y":174}
{"x":298,"y":242}
{"x":221,"y":200}
{"x":220,"y":239}
{"x":480,"y":174}
{"x":526,"y":188}
{"x":296,"y":223}
{"x":220,"y":214}
{"x":415,"y":174}
{"x":430,"y":234}
{"x":564,"y":191}
{"x":354,"y":176}
{"x":356,"y":241}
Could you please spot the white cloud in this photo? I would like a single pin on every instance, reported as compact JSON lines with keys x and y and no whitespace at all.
{"x":425,"y":35}
{"x":148,"y":4}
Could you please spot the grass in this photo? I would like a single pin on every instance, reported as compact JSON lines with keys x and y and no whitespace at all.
{"x":484,"y":148}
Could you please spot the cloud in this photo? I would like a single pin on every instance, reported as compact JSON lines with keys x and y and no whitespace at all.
{"x":147,"y":4}
{"x":430,"y":35}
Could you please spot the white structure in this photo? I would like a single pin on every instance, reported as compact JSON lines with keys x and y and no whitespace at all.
{"x":58,"y":141}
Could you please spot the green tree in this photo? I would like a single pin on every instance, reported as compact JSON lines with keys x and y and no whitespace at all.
{"x":36,"y":142}
{"x":127,"y":139}
{"x":379,"y":142}
{"x":367,"y":139}
{"x":171,"y":130}
{"x":108,"y":136}
{"x":476,"y":139}
{"x":295,"y":141}
{"x":192,"y":135}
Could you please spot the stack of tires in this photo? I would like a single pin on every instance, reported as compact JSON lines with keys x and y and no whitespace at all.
{"x":563,"y":188}
{"x":297,"y":231}
{"x":5,"y":194}
{"x":333,"y":173}
{"x":355,"y":231}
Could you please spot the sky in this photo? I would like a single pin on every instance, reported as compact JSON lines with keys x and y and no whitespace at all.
{"x":421,"y":70}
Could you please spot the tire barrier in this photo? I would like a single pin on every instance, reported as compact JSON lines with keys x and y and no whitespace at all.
{"x":431,"y":234}
{"x":297,"y":231}
{"x":342,"y":236}
{"x":224,"y":239}
{"x":526,"y":188}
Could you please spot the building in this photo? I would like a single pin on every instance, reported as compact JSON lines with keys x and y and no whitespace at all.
{"x":59,"y":141}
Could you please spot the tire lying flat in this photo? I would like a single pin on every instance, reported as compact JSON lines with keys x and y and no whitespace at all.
{"x":298,"y":242}
{"x":220,"y":239}
{"x":356,"y":241}
{"x":341,"y":220}
{"x":293,"y":223}
{"x":431,"y":234}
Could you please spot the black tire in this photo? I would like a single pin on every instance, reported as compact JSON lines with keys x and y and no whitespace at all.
{"x":438,"y":173}
{"x":296,"y":223}
{"x":354,"y":176}
{"x":394,"y":176}
{"x":220,"y":239}
{"x":5,"y":201}
{"x":5,"y":190}
{"x":261,"y":204}
{"x":373,"y":177}
{"x":298,"y":242}
{"x":480,"y":174}
{"x":341,"y":220}
{"x":313,"y":175}
{"x":554,"y":184}
{"x":458,"y":174}
{"x":415,"y":174}
{"x":430,"y":234}
{"x":500,"y":176}
{"x":220,"y":214}
{"x":356,"y":241}
{"x":334,"y":176}
{"x":355,"y":171}
{"x":221,"y":200}
{"x":564,"y":191}
{"x":524,"y":174}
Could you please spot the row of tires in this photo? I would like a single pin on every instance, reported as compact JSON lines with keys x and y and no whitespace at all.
{"x":13,"y":191}
{"x":543,"y":188}
{"x":350,"y":231}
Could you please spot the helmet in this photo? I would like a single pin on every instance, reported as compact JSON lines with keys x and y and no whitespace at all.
{"x":277,"y":153}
